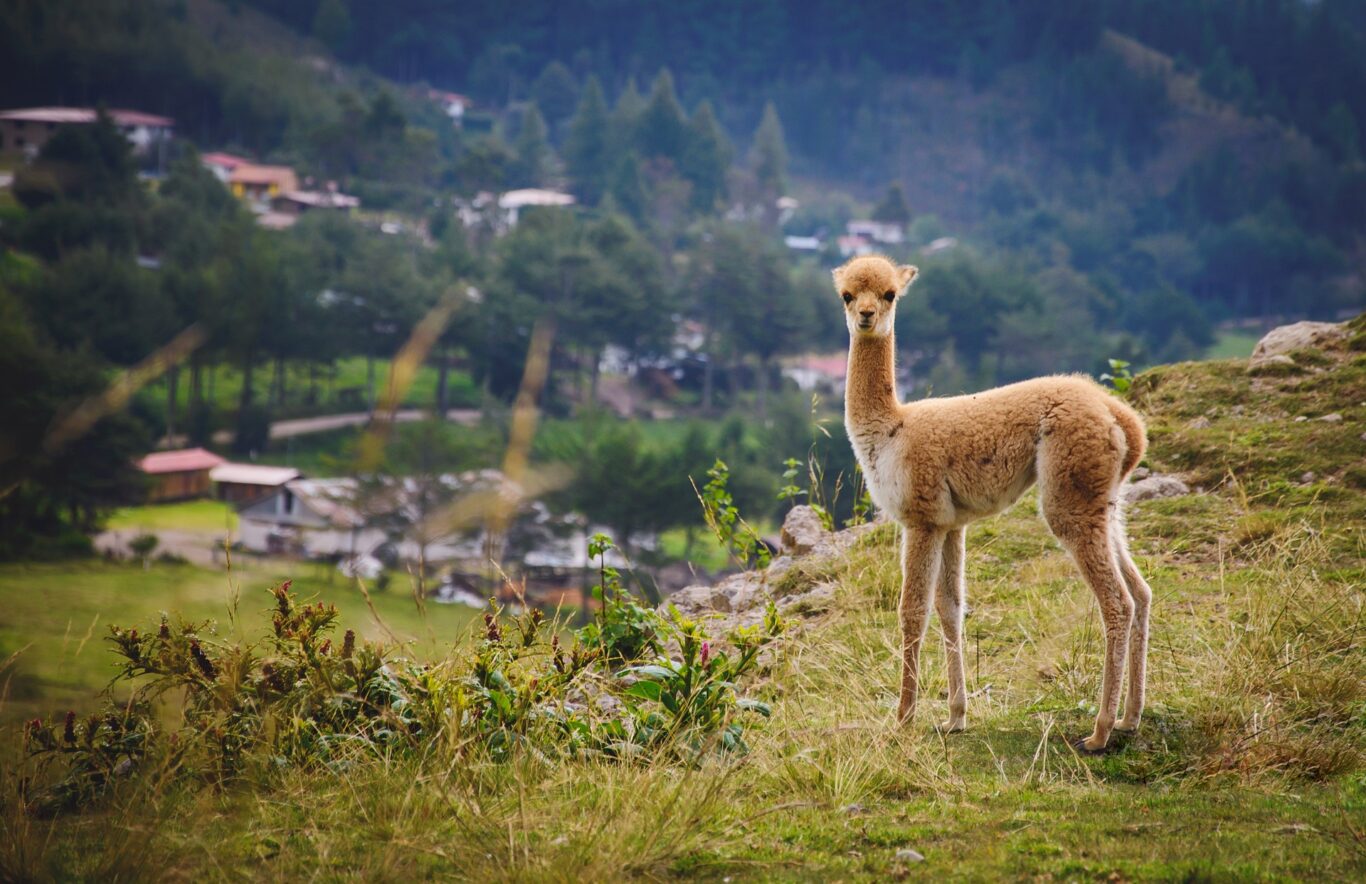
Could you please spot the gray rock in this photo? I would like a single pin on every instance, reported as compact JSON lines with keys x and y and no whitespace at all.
{"x":1308,"y":477}
{"x":1154,"y":487}
{"x":1200,"y":423}
{"x":1299,"y":336}
{"x":802,"y":531}
{"x":814,"y":600}
{"x":1141,"y":473}
{"x":694,"y":600}
{"x":1333,"y":418}
{"x":907,"y":855}
{"x":1254,"y":367}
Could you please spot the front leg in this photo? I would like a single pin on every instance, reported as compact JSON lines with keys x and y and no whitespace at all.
{"x":949,"y":603}
{"x":921,"y":552}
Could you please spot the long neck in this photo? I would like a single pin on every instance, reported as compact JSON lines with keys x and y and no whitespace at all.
{"x":870,"y":387}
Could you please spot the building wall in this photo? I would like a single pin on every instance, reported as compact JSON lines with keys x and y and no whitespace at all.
{"x":179,"y":486}
{"x":239,"y":493}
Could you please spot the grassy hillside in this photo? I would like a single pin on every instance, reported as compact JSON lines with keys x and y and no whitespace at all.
{"x":1249,"y":764}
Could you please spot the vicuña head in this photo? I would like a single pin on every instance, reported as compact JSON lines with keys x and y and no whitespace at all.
{"x":870,"y":286}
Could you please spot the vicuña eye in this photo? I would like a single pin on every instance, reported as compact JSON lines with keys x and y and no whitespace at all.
{"x":889,"y":297}
{"x":848,"y":298}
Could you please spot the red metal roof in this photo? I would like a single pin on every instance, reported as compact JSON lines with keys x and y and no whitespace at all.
{"x":186,"y":460}
{"x":226,"y":160}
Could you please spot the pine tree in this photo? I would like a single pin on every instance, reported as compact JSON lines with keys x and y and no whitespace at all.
{"x":706,"y":159}
{"x":663,"y":130}
{"x":332,"y":24}
{"x":893,"y":208}
{"x":533,"y":151}
{"x":625,"y":122}
{"x":587,"y":152}
{"x":768,"y":156}
{"x":629,"y":190}
{"x":555,"y":92}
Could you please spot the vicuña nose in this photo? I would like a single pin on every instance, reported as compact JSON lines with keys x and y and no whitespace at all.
{"x":866,"y":314}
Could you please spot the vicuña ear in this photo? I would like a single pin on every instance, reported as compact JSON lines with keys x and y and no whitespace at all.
{"x":905,"y":273}
{"x":838,"y":274}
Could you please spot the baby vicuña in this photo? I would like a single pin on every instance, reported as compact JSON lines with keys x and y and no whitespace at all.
{"x":938,"y":464}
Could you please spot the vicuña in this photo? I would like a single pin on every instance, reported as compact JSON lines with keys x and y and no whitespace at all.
{"x":939,"y":464}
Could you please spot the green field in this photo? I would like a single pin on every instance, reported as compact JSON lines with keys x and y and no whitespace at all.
{"x":1232,"y":344}
{"x":198,"y":516}
{"x":56,"y":616}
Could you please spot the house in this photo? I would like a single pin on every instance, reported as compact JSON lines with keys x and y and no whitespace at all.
{"x":28,"y":129}
{"x":452,"y":103}
{"x":179,"y":475}
{"x":815,"y":373}
{"x":259,"y":185}
{"x":885,"y":232}
{"x":222,"y":165}
{"x":297,"y":202}
{"x":308,"y":517}
{"x":242,"y":483}
{"x":803,"y":243}
{"x":512,"y":203}
{"x":850,"y":246}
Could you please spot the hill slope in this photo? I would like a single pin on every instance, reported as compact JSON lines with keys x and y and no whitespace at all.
{"x":1249,"y":762}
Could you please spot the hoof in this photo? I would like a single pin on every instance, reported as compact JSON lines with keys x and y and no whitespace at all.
{"x":1080,"y":746}
{"x":1122,"y":727}
{"x":951,"y":727}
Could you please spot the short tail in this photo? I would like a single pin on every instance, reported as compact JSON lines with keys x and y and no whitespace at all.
{"x":1135,"y":434}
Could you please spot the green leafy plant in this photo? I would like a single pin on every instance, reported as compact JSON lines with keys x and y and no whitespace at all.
{"x":622,"y":630}
{"x":742,"y":542}
{"x":691,"y":700}
{"x":1119,"y":377}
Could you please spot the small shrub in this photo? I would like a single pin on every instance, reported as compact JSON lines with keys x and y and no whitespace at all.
{"x":299,"y":698}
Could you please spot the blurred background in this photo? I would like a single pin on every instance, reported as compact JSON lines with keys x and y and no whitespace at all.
{"x":220,"y":222}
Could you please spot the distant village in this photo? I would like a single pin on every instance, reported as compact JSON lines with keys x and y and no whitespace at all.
{"x":282,"y":512}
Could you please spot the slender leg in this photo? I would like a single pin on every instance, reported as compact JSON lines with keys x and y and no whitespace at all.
{"x":1138,"y":632}
{"x":921,"y":550}
{"x":1095,"y":557}
{"x":948,"y":601}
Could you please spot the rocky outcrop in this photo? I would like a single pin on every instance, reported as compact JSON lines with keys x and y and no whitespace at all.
{"x":1276,"y":345}
{"x":803,"y":531}
{"x":788,"y":581}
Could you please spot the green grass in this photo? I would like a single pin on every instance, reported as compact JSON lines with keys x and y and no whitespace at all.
{"x":1232,"y":344}
{"x":56,"y":617}
{"x":197,"y":516}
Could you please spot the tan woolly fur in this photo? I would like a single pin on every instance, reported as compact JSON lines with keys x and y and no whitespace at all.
{"x":937,"y":465}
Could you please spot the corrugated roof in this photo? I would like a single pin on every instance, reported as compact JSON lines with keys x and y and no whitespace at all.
{"x":185,"y":460}
{"x":252,"y":474}
{"x":84,"y":115}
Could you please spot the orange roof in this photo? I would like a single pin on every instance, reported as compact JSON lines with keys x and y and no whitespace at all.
{"x":251,"y":174}
{"x":186,"y":460}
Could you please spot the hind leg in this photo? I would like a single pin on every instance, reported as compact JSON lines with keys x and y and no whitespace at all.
{"x":948,"y":602}
{"x":1142,"y":596}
